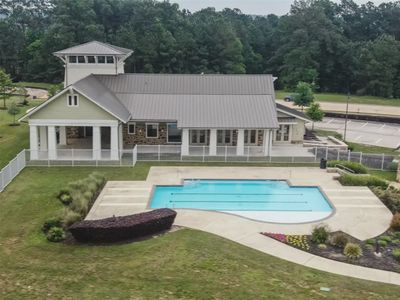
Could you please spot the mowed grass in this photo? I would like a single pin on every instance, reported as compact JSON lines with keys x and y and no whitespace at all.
{"x":13,"y":138}
{"x":342,"y":98}
{"x":185,"y":264}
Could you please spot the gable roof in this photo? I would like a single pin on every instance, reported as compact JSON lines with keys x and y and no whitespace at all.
{"x":190,"y":84}
{"x":96,"y":48}
{"x":293,"y":112}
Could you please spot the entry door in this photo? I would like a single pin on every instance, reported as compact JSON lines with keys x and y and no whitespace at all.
{"x":198,"y":137}
{"x":283,"y":134}
{"x":250,"y":137}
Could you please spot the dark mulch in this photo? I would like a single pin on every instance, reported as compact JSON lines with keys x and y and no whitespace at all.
{"x":369,"y":259}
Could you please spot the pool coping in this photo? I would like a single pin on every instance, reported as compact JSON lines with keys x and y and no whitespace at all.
{"x":333,"y":212}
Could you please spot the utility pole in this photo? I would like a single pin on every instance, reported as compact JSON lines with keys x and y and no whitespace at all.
{"x":347,"y":113}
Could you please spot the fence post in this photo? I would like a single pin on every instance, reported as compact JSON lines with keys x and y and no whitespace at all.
{"x":326,"y":153}
{"x":361,"y":157}
{"x":383,"y":161}
{"x":348,"y":155}
{"x":204,"y":152}
{"x":248,"y":153}
{"x":73,"y":157}
{"x":315,"y":154}
{"x":226,"y":153}
{"x":159,"y":152}
{"x":338,"y":154}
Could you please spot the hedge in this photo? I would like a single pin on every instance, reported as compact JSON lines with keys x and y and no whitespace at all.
{"x":122,"y":228}
{"x":360,"y":180}
{"x":356,"y":167}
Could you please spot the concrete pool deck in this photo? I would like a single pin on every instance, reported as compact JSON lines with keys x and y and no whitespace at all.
{"x":358,"y":212}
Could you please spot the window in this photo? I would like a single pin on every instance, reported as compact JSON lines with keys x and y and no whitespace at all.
{"x":73,"y":100}
{"x":283,"y":133}
{"x":250,"y":137}
{"x":131,"y":128}
{"x":174,"y":134}
{"x":152,"y":130}
{"x":101,"y":59}
{"x":72,"y":59}
{"x":81,"y":59}
{"x":110,"y":59}
{"x":91,"y":60}
{"x":224,"y":137}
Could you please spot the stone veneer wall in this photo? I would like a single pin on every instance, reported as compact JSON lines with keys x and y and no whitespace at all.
{"x":139,"y":138}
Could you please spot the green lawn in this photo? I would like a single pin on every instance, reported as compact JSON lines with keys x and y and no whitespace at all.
{"x":185,"y":264}
{"x":13,"y":138}
{"x":342,"y":98}
{"x":387,"y":175}
{"x":38,"y":85}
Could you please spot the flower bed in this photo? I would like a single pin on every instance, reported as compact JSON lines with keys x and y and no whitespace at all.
{"x":121,"y":228}
{"x":388,"y":244}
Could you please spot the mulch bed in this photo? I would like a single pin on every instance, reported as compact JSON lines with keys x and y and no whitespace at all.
{"x":369,"y":259}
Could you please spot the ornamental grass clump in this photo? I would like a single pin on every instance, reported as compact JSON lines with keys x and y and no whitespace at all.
{"x":396,"y":254}
{"x":298,"y":241}
{"x":395,"y":223}
{"x":55,"y":234}
{"x":352,"y":251}
{"x":338,"y":240}
{"x":320,"y":234}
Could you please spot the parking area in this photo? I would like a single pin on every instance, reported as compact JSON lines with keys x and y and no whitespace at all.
{"x":364,"y":132}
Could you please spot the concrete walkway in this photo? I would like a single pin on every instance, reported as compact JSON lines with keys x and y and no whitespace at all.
{"x":358,"y":212}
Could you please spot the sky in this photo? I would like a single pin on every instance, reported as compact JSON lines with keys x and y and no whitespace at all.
{"x":253,"y":7}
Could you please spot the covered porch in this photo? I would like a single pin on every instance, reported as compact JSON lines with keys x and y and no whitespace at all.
{"x":75,"y":140}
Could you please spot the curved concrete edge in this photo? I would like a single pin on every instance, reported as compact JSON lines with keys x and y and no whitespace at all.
{"x":250,"y":235}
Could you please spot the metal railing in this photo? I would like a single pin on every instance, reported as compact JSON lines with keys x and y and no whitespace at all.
{"x":12,"y":169}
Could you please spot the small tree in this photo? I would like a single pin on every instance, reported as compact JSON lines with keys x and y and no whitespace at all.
{"x":315,"y":113}
{"x":13,"y":110}
{"x":5,"y":86}
{"x":304,"y":95}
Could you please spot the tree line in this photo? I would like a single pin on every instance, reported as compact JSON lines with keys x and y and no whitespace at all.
{"x":336,"y":47}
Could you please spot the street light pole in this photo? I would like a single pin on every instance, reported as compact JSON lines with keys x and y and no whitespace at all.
{"x":347,"y":112}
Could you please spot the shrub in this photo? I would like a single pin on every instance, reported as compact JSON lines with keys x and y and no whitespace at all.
{"x":361,"y":180}
{"x":396,"y":241}
{"x":390,"y":197}
{"x":352,"y":251}
{"x":320,"y":234}
{"x":122,"y":228}
{"x":386,"y":238}
{"x":370,"y":242}
{"x":64,"y":196}
{"x":339,"y":240}
{"x":56,"y":234}
{"x":396,"y":254}
{"x":382,"y":243}
{"x":395,"y":223}
{"x":322,"y":246}
{"x":393,"y":166}
{"x":369,"y":247}
{"x":70,"y":217}
{"x":50,"y":223}
{"x":356,"y":167}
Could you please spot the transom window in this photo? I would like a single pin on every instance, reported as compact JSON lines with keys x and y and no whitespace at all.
{"x":152,"y":130}
{"x":73,"y":100}
{"x":72,"y":59}
{"x":110,"y":59}
{"x":91,"y":59}
{"x":101,"y":59}
{"x":81,"y":59}
{"x":131,"y":128}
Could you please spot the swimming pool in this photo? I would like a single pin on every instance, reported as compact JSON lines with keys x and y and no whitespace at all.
{"x":263,"y":200}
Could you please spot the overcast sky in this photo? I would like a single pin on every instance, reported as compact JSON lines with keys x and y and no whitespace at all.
{"x":255,"y":7}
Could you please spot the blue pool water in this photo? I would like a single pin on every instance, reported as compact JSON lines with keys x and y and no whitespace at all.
{"x":240,"y":195}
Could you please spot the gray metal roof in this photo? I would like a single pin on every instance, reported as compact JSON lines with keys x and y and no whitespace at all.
{"x":96,"y":48}
{"x":92,"y":88}
{"x":210,"y":84}
{"x":292,"y":111}
{"x":204,"y":111}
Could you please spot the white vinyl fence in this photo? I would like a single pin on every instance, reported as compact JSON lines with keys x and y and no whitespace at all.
{"x":10,"y":171}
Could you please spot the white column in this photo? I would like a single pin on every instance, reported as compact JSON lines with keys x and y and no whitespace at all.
{"x":96,"y":143}
{"x":43,"y":138}
{"x":63,"y":135}
{"x":213,"y":142}
{"x":52,"y":142}
{"x":185,"y":142}
{"x":240,"y":143}
{"x":33,"y":138}
{"x":267,"y":142}
{"x":114,"y":142}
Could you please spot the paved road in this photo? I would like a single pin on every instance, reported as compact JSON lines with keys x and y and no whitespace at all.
{"x":354,"y":108}
{"x":363,"y":132}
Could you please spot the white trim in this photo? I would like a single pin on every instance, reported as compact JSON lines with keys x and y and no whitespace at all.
{"x":72,"y":122}
{"x":68,"y":88}
{"x":72,"y":98}
{"x":293,"y":115}
{"x":176,"y":143}
{"x":152,"y":137}
{"x":131,"y":123}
